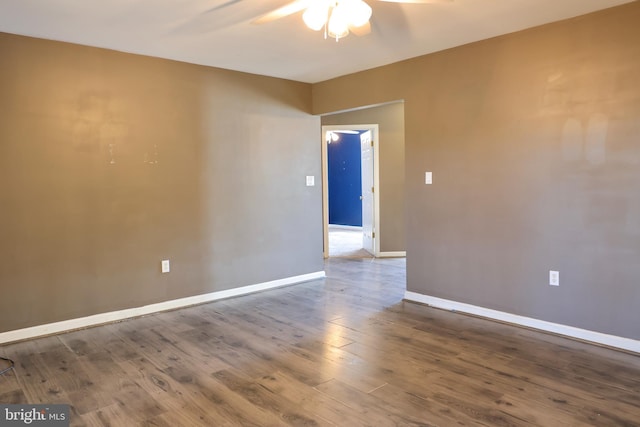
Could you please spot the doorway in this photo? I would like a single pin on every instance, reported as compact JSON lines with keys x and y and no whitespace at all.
{"x":350,"y":202}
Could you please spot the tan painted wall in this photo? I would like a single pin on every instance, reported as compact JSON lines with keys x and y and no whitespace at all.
{"x":390,"y":121}
{"x":533,"y":139}
{"x":208,"y":171}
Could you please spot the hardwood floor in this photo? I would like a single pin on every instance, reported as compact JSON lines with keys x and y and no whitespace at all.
{"x":342,"y":352}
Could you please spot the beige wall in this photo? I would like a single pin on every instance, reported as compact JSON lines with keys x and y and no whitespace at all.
{"x":390,"y":121}
{"x":533,"y":141}
{"x":209,"y":169}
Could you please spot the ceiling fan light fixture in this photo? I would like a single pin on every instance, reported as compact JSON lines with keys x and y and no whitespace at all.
{"x":338,"y":24}
{"x":336,"y":16}
{"x":316,"y":15}
{"x":335,"y":137}
{"x":358,"y":12}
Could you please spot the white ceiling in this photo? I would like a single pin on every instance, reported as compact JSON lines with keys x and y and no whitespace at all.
{"x":219,"y":33}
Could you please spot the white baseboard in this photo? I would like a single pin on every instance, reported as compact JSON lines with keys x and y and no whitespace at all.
{"x":556,"y":328}
{"x":398,"y":254}
{"x":113,"y":316}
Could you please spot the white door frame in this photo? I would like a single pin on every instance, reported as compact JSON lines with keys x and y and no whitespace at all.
{"x":376,"y":183}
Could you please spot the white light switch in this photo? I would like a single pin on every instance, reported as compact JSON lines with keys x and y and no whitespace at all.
{"x":165,"y":266}
{"x":554,"y":278}
{"x":311,"y":180}
{"x":428,"y":177}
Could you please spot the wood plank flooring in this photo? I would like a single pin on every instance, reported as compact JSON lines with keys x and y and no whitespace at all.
{"x":345,"y":351}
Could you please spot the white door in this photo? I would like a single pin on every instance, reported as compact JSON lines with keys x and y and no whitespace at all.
{"x":368,"y":221}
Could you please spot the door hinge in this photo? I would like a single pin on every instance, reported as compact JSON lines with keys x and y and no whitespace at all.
{"x":373,"y":235}
{"x":372,"y":190}
{"x":372,"y":142}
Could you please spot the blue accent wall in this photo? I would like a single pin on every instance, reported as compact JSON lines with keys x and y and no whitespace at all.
{"x":345,"y":181}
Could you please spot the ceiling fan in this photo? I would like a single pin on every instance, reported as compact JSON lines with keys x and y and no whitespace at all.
{"x":336,"y":17}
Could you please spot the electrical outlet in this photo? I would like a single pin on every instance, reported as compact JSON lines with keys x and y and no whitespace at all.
{"x":311,"y":180}
{"x":554,"y":278}
{"x":165,"y":266}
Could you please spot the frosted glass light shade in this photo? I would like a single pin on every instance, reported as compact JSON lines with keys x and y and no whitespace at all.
{"x":338,"y":25}
{"x":359,"y":12}
{"x":316,"y":15}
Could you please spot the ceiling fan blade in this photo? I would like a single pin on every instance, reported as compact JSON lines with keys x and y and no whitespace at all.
{"x":281,"y":12}
{"x":417,"y":1}
{"x":208,"y":20}
{"x":362,"y":30}
{"x":221,"y":6}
